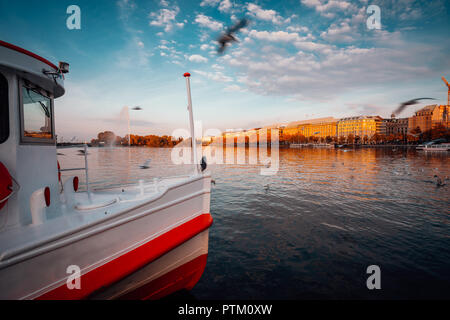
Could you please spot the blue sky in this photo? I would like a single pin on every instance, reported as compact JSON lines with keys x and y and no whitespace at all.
{"x":298,"y":59}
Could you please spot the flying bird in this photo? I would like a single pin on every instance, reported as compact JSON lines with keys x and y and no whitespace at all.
{"x":82,"y":152}
{"x":146,"y":164}
{"x":136,"y":108}
{"x":403,"y":105}
{"x":228,"y":36}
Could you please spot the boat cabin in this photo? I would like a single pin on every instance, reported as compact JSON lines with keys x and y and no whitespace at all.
{"x":29,"y":84}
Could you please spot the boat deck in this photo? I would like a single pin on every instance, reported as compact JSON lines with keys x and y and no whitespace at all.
{"x":82,"y":211}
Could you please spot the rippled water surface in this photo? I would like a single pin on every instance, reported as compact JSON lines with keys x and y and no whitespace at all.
{"x":311,"y":230}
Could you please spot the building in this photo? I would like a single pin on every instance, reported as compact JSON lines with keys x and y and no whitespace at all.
{"x":394,"y":126}
{"x":429,"y":117}
{"x":320,"y":128}
{"x":360,"y":126}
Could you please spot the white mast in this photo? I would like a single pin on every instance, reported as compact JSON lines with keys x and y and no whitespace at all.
{"x":191,"y":122}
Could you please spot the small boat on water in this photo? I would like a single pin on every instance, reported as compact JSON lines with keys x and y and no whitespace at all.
{"x":437,"y":147}
{"x":313,"y":145}
{"x":429,"y":143}
{"x":141,"y":241}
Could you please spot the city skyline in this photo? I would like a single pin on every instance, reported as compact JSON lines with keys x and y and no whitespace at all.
{"x":300,"y":59}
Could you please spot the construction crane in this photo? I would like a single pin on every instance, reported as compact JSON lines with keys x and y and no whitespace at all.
{"x":448,"y":95}
{"x":445,"y":115}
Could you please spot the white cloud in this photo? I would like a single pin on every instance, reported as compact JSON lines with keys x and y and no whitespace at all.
{"x":274,"y":36}
{"x":297,"y":29}
{"x":217,"y":67}
{"x":234,"y":88}
{"x":271,"y":71}
{"x":225,"y":6}
{"x":267,"y":15}
{"x":208,"y":22}
{"x":166,"y":18}
{"x":197,"y":58}
{"x":206,"y":46}
{"x":216,"y":76}
{"x":210,"y":3}
{"x":327,"y":8}
{"x":289,"y":37}
{"x":338,"y":32}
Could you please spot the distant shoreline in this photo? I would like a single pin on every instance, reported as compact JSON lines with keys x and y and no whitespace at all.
{"x":71,"y":145}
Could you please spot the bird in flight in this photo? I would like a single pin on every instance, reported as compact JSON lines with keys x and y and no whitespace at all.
{"x":82,"y":152}
{"x":228,"y":36}
{"x":403,"y":105}
{"x":146,"y":164}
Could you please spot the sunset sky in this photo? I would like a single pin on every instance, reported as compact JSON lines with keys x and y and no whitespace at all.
{"x":297,"y":60}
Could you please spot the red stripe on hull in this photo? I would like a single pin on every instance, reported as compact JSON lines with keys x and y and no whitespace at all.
{"x":131,"y":261}
{"x":183,"y":277}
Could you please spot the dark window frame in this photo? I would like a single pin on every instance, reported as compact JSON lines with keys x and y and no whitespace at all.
{"x":31,"y":140}
{"x":4,"y":109}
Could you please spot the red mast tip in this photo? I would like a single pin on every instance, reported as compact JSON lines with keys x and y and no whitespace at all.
{"x":187,"y":74}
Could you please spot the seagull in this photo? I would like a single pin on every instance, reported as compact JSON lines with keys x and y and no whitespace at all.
{"x":146,"y":164}
{"x":403,"y":105}
{"x":439,"y":182}
{"x":82,"y":152}
{"x":228,"y":36}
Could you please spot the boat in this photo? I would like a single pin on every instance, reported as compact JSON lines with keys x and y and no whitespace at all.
{"x":429,"y":143}
{"x":313,"y":145}
{"x":137,"y":241}
{"x":437,"y":147}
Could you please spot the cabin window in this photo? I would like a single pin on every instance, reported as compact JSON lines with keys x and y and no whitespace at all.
{"x":4,"y":109}
{"x":37,"y":115}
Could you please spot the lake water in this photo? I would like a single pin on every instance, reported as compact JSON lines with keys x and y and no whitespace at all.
{"x":311,"y":230}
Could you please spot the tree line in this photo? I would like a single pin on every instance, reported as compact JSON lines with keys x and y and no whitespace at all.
{"x":108,"y":138}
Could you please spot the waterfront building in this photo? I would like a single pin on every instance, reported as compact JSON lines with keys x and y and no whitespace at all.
{"x":429,"y":117}
{"x":360,"y":126}
{"x":320,"y":128}
{"x":394,"y":126}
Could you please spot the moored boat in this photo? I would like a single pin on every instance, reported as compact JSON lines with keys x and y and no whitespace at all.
{"x":140,"y":241}
{"x":437,"y":147}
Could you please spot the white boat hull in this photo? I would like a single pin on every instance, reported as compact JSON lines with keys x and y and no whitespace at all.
{"x":172,"y":228}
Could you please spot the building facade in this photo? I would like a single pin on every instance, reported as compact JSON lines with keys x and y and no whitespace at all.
{"x":360,"y":126}
{"x":320,"y":128}
{"x":394,"y":126}
{"x":429,"y":117}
